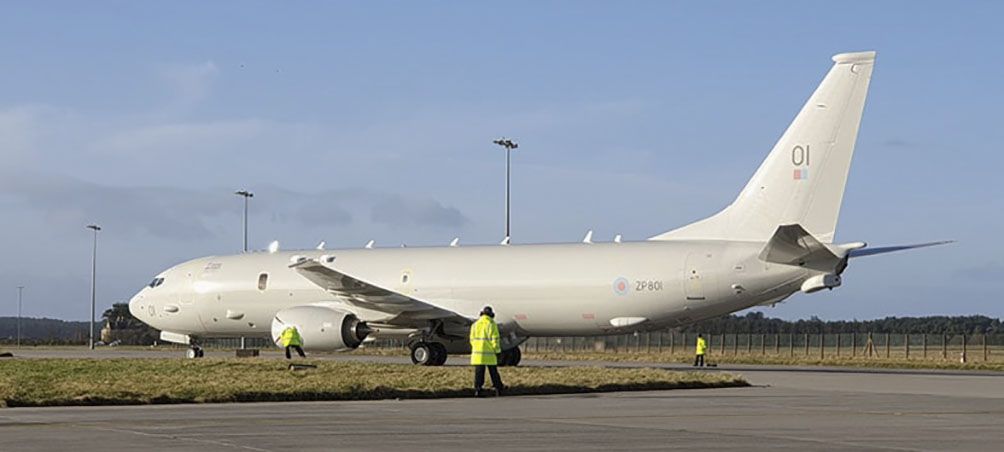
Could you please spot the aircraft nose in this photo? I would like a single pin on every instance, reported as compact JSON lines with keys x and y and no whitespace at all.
{"x":134,"y":302}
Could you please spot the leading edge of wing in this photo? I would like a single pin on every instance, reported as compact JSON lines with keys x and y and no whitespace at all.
{"x":889,"y":249}
{"x":368,"y":295}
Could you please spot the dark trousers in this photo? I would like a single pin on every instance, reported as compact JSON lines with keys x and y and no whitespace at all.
{"x":699,"y":361}
{"x":479,"y":376}
{"x":299,"y":351}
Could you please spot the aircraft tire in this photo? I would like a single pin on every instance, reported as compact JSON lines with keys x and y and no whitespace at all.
{"x":439,"y":354}
{"x":510,"y":357}
{"x":195,"y":352}
{"x":517,"y":356}
{"x":422,"y":354}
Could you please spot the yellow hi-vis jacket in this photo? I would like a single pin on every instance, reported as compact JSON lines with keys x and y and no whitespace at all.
{"x":485,"y":342}
{"x":702,"y":346}
{"x":291,"y":337}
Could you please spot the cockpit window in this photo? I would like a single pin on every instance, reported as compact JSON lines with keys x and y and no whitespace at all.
{"x":156,"y":282}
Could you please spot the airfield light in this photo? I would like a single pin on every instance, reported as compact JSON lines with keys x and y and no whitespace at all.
{"x":94,"y":273}
{"x":509,"y":145}
{"x":246,"y":195}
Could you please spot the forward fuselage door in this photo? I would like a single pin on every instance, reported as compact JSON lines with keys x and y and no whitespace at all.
{"x":694,"y":278}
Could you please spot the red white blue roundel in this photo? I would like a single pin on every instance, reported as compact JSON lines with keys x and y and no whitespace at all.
{"x":621,"y":286}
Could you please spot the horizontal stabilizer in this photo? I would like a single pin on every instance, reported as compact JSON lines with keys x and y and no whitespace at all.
{"x":791,"y":244}
{"x":890,"y":249}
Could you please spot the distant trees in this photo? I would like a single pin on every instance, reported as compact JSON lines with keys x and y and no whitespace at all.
{"x":757,"y":323}
{"x":120,"y":325}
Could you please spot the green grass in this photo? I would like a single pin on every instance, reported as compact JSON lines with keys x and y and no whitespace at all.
{"x":48,"y":382}
{"x":846,"y":361}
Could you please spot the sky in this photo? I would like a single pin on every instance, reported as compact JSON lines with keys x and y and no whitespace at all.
{"x":353,"y":121}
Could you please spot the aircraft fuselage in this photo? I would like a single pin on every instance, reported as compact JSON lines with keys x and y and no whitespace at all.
{"x":536,"y":290}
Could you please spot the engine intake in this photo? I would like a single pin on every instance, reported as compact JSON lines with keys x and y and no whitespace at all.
{"x":321,"y":328}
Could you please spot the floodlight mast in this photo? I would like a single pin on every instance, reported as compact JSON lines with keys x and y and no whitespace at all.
{"x":246,"y":195}
{"x":509,"y":145}
{"x":94,"y":273}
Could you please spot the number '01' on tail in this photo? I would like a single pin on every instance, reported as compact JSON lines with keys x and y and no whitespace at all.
{"x":802,"y":179}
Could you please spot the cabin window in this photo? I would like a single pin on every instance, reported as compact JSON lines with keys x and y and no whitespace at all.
{"x":263,"y":281}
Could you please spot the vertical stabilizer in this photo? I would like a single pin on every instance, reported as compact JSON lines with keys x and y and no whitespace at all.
{"x":802,"y":180}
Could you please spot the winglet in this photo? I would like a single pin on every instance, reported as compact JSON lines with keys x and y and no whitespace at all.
{"x":320,"y":246}
{"x":617,"y":238}
{"x":273,"y":247}
{"x":455,"y":242}
{"x":589,"y":237}
{"x":369,"y":244}
{"x":505,"y":241}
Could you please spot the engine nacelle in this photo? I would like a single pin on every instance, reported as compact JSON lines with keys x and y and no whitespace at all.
{"x":820,"y":282}
{"x":321,"y":328}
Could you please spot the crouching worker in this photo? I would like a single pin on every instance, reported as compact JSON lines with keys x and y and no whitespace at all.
{"x":486,"y":344}
{"x":291,"y":339}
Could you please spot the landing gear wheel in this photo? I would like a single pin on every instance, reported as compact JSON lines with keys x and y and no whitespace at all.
{"x":510,"y":357}
{"x":422,"y":354}
{"x":439,"y":354}
{"x":517,"y":356}
{"x":195,"y":352}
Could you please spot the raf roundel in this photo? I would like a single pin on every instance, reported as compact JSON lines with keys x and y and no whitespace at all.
{"x":621,"y":286}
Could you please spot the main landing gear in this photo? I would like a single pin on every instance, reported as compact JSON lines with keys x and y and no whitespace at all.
{"x":194,"y":351}
{"x":510,"y":357}
{"x":428,"y":353}
{"x":434,"y":354}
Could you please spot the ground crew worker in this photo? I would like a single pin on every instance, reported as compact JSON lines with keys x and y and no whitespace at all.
{"x":702,"y":348}
{"x":486,"y":344}
{"x":290,"y":338}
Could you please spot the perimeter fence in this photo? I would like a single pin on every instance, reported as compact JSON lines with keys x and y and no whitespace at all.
{"x":985,"y":347}
{"x":981,"y":347}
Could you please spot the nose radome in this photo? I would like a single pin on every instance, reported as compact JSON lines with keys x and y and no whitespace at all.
{"x":134,"y":305}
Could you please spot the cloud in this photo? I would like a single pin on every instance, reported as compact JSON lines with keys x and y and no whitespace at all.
{"x":988,"y":272}
{"x":163,"y":212}
{"x":397,"y":211}
{"x":186,"y":214}
{"x":185,"y":138}
{"x":192,"y":83}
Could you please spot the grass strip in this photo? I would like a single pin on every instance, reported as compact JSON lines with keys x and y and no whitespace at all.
{"x":861,"y":362}
{"x":60,"y":382}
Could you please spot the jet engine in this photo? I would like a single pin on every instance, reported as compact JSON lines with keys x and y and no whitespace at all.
{"x":321,"y":328}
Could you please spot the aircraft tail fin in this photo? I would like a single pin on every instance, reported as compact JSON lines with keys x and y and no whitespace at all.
{"x":802,"y":180}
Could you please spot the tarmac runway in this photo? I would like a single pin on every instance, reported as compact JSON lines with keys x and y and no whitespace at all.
{"x":787,"y":409}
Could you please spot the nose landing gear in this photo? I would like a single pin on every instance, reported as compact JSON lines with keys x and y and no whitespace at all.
{"x":194,"y":351}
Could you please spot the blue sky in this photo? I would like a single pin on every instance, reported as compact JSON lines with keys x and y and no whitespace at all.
{"x":374,"y":120}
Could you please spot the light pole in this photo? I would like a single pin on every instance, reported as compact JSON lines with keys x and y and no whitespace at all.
{"x":246,"y":195}
{"x":94,"y":273}
{"x":509,"y":145}
{"x":19,"y":290}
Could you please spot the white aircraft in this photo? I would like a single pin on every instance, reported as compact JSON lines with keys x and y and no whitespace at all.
{"x":775,"y":239}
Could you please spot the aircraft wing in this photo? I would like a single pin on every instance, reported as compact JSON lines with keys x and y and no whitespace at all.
{"x":890,"y":249}
{"x":406,"y":310}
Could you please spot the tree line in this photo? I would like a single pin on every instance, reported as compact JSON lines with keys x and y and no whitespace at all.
{"x":757,"y":323}
{"x":131,"y":331}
